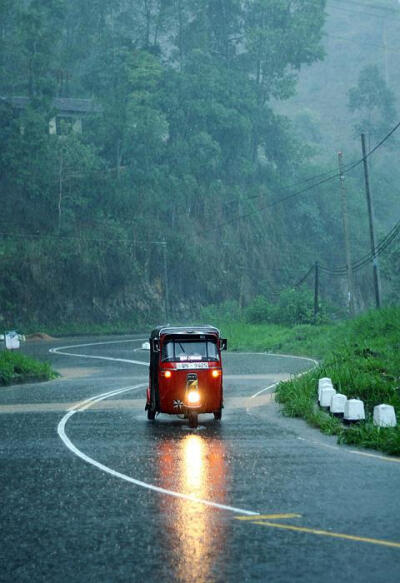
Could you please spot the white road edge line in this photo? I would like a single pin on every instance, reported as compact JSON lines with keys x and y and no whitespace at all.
{"x":82,"y":406}
{"x":88,"y":403}
{"x":350,"y":451}
{"x":280,"y":355}
{"x":315,"y":362}
{"x":61,"y":350}
{"x":97,"y":343}
{"x":319,"y":443}
{"x":263,"y":390}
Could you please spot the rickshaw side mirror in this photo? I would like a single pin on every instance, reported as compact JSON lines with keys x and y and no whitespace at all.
{"x":155,"y":345}
{"x":223,"y":344}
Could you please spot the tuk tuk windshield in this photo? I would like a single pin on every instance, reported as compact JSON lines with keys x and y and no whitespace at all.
{"x":179,"y":350}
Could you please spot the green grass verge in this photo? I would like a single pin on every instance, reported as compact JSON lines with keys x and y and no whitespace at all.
{"x":361,"y":356}
{"x":18,"y":368}
{"x":365,"y":363}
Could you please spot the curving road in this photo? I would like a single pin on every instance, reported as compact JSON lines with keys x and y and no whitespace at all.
{"x":91,"y":491}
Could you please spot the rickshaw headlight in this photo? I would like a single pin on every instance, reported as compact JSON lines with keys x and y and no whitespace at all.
{"x":167,"y":374}
{"x":193,"y":397}
{"x":215,"y":373}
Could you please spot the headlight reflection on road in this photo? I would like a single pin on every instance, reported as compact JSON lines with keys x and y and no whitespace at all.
{"x":195,"y":535}
{"x":193,"y":466}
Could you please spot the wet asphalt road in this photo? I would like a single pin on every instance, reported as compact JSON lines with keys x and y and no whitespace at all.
{"x":65,"y":519}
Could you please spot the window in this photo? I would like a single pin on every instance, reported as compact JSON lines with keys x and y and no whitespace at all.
{"x":189,"y":350}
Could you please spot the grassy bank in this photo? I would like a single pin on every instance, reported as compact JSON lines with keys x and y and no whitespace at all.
{"x":302,"y":340}
{"x":361,"y":356}
{"x":18,"y":368}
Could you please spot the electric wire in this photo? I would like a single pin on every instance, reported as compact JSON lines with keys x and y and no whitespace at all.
{"x":362,"y":261}
{"x":348,"y":168}
{"x":380,"y":248}
{"x":356,"y":266}
{"x":81,"y":239}
{"x":298,"y":283}
{"x":364,"y":5}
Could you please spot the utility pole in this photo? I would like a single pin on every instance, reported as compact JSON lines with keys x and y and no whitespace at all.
{"x":166,"y":290}
{"x":385,"y":50}
{"x":346,"y":237}
{"x":316,"y":291}
{"x":371,"y":227}
{"x":241,"y":261}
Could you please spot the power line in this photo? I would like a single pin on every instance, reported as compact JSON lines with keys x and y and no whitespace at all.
{"x":325,"y":178}
{"x":362,"y":261}
{"x":225,"y":203}
{"x":357,"y":265}
{"x":367,"y":44}
{"x":348,"y":168}
{"x":388,"y":135}
{"x":298,"y":283}
{"x":303,"y":279}
{"x":367,"y":5}
{"x":76,"y":238}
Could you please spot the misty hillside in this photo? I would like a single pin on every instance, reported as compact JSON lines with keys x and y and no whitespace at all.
{"x":356,"y":34}
{"x":157,"y":157}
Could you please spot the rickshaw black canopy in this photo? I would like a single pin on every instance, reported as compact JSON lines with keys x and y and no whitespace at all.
{"x":185,"y":331}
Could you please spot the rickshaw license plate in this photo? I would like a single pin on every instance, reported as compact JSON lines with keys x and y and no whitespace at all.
{"x":191,"y":365}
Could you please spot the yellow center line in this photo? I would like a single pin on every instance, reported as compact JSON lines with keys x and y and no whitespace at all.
{"x":319,"y":532}
{"x":268,"y":516}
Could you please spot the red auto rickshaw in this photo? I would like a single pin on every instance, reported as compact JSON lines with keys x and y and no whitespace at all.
{"x":185,"y":372}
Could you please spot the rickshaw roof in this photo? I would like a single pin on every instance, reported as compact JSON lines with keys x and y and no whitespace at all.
{"x":184,"y":331}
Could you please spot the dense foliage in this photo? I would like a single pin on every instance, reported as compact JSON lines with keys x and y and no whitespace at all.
{"x":182,"y":157}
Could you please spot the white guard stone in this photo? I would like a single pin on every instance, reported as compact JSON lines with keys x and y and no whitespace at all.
{"x":338,"y":403}
{"x":354,"y":410}
{"x":384,"y":416}
{"x":326,"y":396}
{"x":325,"y":382}
{"x":12,"y":341}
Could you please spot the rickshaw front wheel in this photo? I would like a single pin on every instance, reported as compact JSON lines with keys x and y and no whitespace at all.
{"x":151,"y":414}
{"x":218,"y":415}
{"x":193,"y":419}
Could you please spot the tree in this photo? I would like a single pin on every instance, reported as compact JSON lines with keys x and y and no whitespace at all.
{"x":373,"y":102}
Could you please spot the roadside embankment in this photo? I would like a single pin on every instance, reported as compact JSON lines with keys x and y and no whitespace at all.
{"x":19,"y":368}
{"x":361,"y":356}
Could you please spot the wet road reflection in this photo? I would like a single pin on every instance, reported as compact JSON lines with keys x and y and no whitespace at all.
{"x":195,"y":465}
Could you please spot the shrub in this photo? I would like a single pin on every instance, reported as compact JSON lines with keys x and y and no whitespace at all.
{"x":295,"y":307}
{"x":259,"y":310}
{"x":228,"y":310}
